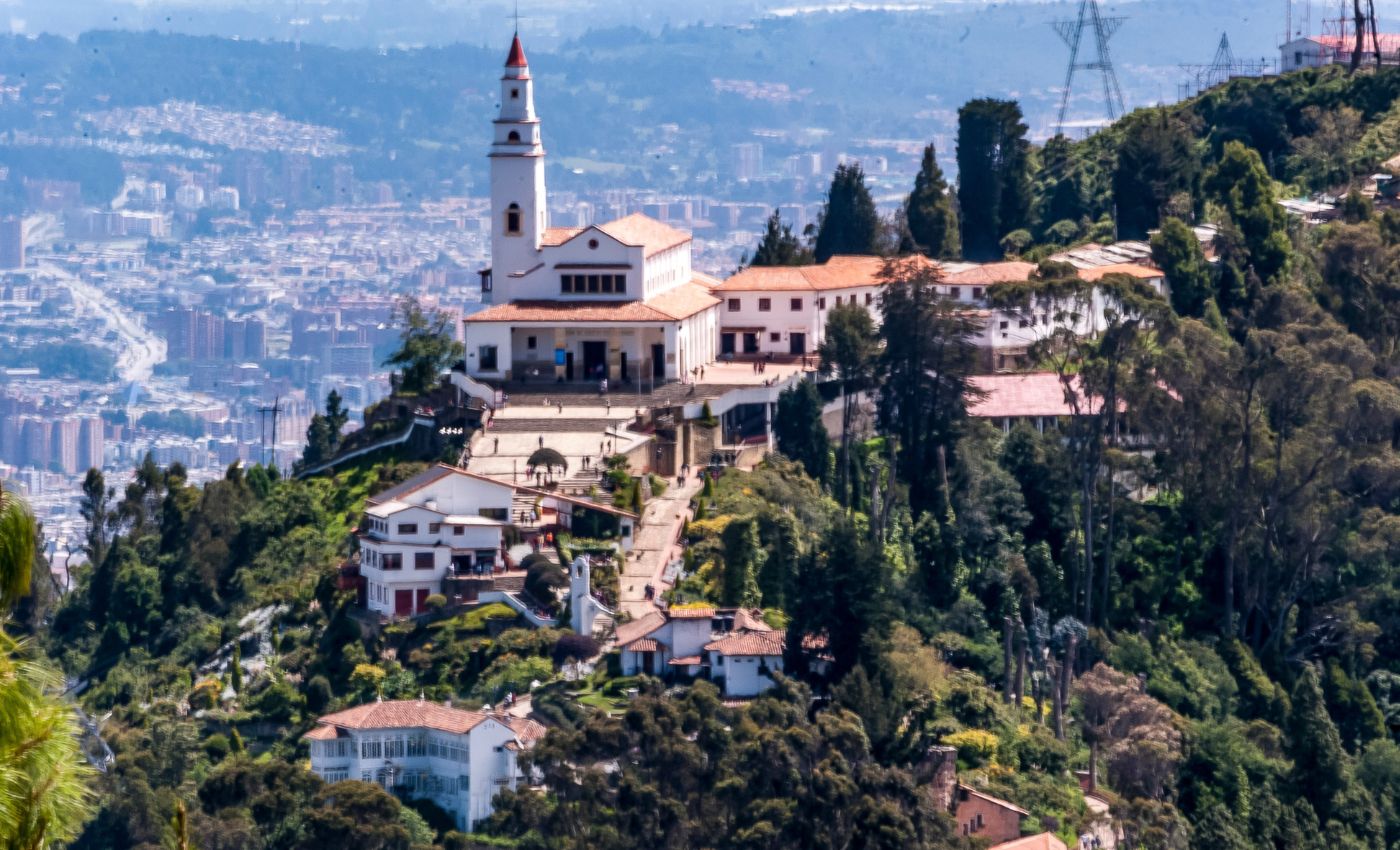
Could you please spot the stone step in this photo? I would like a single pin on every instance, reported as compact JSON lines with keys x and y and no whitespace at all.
{"x":550,"y":423}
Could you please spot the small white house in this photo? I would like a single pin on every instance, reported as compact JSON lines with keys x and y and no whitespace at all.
{"x":733,"y":647}
{"x":458,"y":759}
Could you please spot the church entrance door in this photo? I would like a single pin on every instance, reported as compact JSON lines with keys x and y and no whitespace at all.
{"x":658,"y":360}
{"x":797,"y":343}
{"x":569,"y":366}
{"x":622,"y":366}
{"x":595,"y":360}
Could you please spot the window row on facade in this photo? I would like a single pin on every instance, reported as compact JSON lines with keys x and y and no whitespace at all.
{"x":592,"y":284}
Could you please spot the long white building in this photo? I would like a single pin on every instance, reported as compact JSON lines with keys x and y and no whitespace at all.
{"x":458,"y":759}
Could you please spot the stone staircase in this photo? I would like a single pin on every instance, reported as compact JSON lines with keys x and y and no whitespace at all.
{"x":550,"y":422}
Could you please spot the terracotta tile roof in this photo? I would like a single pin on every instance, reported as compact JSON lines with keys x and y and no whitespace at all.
{"x":996,"y":801}
{"x":680,"y":303}
{"x":748,"y":643}
{"x":1390,"y":42}
{"x":527,"y":730}
{"x":1043,"y":841}
{"x":642,"y":645}
{"x":554,"y":236}
{"x":1140,"y":272}
{"x":698,"y":613}
{"x":687,"y":661}
{"x":405,"y":714}
{"x":991,"y":273}
{"x":1027,"y":394}
{"x":646,"y":232}
{"x":322,"y":733}
{"x":750,"y":619}
{"x":683,"y":301}
{"x":628,"y":632}
{"x":839,"y":272}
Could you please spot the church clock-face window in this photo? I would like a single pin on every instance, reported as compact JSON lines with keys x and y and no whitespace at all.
{"x":513,"y":220}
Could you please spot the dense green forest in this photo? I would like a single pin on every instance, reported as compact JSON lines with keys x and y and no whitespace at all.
{"x":1190,"y":590}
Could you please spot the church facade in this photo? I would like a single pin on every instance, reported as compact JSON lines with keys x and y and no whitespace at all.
{"x":617,"y":300}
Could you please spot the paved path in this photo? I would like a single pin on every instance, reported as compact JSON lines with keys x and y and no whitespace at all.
{"x":656,"y":545}
{"x":1103,"y":827}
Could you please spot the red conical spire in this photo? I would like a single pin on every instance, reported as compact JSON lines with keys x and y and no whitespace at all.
{"x":516,"y":59}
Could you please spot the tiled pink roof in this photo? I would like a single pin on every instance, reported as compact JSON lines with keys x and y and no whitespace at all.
{"x":986,"y":275}
{"x":839,"y":272}
{"x":405,"y":714}
{"x":673,"y":305}
{"x":1140,"y":272}
{"x":686,"y":661}
{"x":642,"y":645}
{"x":640,"y":230}
{"x":748,"y":643}
{"x":1023,"y":395}
{"x":641,"y":627}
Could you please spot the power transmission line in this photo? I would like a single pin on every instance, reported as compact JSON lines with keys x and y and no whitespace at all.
{"x":1073,"y":34}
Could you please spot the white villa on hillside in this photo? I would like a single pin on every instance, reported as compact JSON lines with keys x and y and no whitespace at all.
{"x":458,"y":759}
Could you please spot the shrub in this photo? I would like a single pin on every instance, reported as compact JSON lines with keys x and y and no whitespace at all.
{"x":368,"y":679}
{"x":707,"y":416}
{"x":217,"y":747}
{"x":574,"y":646}
{"x":976,"y":747}
{"x":205,"y":694}
{"x":435,"y":602}
{"x":318,"y":693}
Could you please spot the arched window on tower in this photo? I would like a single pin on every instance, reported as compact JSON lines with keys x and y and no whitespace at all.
{"x":513,"y":137}
{"x":513,"y":220}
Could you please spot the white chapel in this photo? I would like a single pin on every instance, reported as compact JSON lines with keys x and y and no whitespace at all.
{"x":616,"y":300}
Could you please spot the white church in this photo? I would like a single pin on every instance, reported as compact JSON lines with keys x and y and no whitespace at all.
{"x":616,"y":300}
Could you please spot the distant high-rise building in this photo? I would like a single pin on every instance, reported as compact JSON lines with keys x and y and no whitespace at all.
{"x":381,"y":192}
{"x":189,"y":196}
{"x":245,"y":339}
{"x":63,"y":444}
{"x":12,"y":243}
{"x":154,"y":192}
{"x":748,"y":160}
{"x":354,"y":360}
{"x":91,"y":444}
{"x":36,"y":438}
{"x":224,"y":198}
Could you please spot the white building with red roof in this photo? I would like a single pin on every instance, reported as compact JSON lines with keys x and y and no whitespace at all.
{"x":458,"y":759}
{"x":733,"y":647}
{"x":448,"y":523}
{"x":616,"y":300}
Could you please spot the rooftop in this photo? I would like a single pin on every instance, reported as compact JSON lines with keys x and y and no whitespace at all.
{"x":840,"y":272}
{"x":671,"y":306}
{"x":403,"y":714}
{"x":1025,"y":395}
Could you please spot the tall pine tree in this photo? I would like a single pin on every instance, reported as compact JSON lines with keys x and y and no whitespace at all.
{"x":849,"y":222}
{"x":994,"y":187}
{"x":780,"y":246}
{"x":933,"y":222}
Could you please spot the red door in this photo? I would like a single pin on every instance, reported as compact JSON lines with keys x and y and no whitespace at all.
{"x":422,"y":600}
{"x":403,"y":603}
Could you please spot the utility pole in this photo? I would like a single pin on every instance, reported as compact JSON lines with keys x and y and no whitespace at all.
{"x":1072,"y":32}
{"x":263,"y":412}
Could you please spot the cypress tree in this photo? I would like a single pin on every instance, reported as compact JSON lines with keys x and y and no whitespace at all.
{"x":780,"y":246}
{"x":1320,"y":768}
{"x":933,"y":223}
{"x":994,"y":187}
{"x":849,"y":222}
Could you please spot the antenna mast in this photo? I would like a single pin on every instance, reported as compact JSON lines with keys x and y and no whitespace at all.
{"x":1072,"y":32}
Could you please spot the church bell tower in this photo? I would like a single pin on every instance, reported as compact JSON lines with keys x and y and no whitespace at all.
{"x":519,"y":210}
